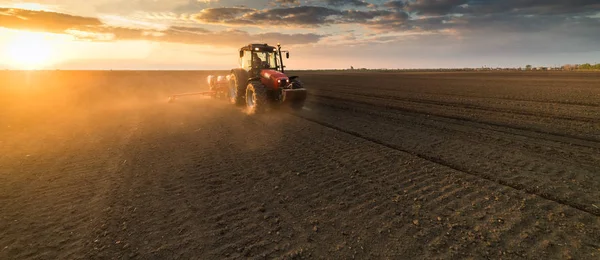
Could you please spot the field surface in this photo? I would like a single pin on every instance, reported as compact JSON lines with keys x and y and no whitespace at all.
{"x":379,"y":165}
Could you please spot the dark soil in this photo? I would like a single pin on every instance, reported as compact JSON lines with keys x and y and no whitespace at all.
{"x":97,"y":165}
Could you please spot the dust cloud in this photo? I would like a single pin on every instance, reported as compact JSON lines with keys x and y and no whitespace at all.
{"x":46,"y":106}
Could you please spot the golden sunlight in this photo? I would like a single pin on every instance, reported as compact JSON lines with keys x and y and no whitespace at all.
{"x":27,"y":50}
{"x":32,"y":6}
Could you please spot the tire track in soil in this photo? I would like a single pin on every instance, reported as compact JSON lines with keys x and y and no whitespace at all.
{"x":133,"y":228}
{"x":537,"y":148}
{"x":554,"y":102}
{"x":515,"y":185}
{"x":583,"y":141}
{"x":501,"y":139}
{"x":204,"y":191}
{"x":389,"y":226}
{"x":493,"y":156}
{"x":510,"y":86}
{"x":241,"y":209}
{"x":463,"y":105}
{"x":566,"y":163}
{"x":479,"y":127}
{"x":63,"y":179}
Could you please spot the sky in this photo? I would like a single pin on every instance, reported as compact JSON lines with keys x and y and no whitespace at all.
{"x":326,"y":34}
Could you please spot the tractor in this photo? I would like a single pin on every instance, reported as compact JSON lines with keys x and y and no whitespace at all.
{"x":260,"y":81}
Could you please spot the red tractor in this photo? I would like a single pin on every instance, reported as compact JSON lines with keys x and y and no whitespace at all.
{"x":260,"y":81}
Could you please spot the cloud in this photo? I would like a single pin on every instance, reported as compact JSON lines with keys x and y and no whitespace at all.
{"x":395,"y":4}
{"x":285,"y":2}
{"x":394,"y":21}
{"x":300,"y":16}
{"x":233,"y":38}
{"x":126,"y":6}
{"x":484,"y":7}
{"x":44,"y":21}
{"x":487,"y":17}
{"x":223,"y":15}
{"x":463,"y":19}
{"x":338,"y":3}
{"x":326,"y":3}
{"x":92,"y":29}
{"x":434,"y":7}
{"x":541,"y":7}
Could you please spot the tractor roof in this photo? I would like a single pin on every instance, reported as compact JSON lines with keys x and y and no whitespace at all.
{"x":260,"y":47}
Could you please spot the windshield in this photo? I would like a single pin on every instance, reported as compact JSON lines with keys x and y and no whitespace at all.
{"x":266,"y":60}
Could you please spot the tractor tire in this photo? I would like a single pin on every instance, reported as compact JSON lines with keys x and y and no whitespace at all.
{"x":297,"y":104}
{"x":256,"y":97}
{"x":237,"y":89}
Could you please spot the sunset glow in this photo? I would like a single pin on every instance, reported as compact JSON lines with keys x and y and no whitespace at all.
{"x":206,"y":34}
{"x":31,"y":6}
{"x":29,"y":50}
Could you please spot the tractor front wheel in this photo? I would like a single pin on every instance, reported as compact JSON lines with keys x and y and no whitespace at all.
{"x":256,"y":97}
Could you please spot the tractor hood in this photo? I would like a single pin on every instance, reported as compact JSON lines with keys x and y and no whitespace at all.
{"x":273,"y":79}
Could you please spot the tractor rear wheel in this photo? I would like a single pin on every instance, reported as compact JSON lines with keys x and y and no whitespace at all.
{"x":237,"y":89}
{"x":299,"y":103}
{"x":256,"y":97}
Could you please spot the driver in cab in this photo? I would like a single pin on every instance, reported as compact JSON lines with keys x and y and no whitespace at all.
{"x":256,"y":61}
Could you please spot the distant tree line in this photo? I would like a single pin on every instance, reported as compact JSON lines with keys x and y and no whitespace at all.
{"x":567,"y":67}
{"x":585,"y":66}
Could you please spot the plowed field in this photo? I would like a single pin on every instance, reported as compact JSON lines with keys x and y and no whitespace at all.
{"x":97,"y":165}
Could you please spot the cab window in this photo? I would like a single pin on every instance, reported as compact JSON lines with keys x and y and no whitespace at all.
{"x":245,"y":62}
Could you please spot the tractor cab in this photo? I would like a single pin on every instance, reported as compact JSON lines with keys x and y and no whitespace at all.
{"x":257,"y":57}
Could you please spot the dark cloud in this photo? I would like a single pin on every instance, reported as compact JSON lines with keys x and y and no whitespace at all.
{"x":541,"y":7}
{"x":301,"y":16}
{"x":86,"y":28}
{"x":504,"y":33}
{"x":419,"y":15}
{"x":395,"y":4}
{"x":286,"y":2}
{"x":223,"y":15}
{"x":485,"y":7}
{"x":364,"y":17}
{"x":494,"y":24}
{"x":394,"y":21}
{"x":232,"y":38}
{"x":434,"y":7}
{"x":488,"y":17}
{"x":339,"y":3}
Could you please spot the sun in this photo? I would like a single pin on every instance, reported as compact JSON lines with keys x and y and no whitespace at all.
{"x":27,"y":50}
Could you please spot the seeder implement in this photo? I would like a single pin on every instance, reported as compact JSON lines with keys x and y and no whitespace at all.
{"x":218,"y":88}
{"x":205,"y":93}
